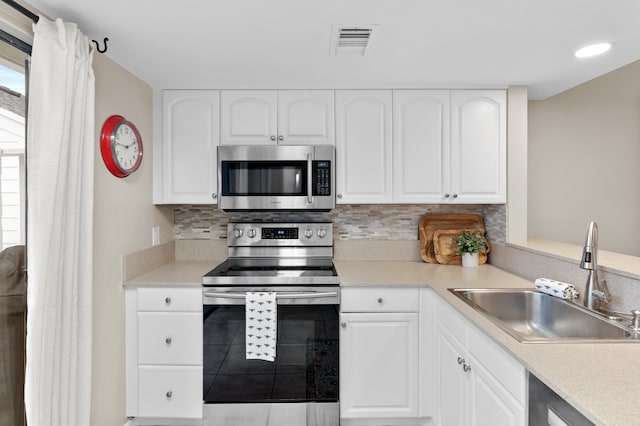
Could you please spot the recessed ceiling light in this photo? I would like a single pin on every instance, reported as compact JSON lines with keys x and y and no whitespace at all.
{"x":593,"y":50}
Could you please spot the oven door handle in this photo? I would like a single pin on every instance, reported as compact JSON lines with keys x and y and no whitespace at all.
{"x":278,"y":295}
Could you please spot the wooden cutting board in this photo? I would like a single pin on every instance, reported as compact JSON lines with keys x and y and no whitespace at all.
{"x":445,"y":249}
{"x":429,"y":223}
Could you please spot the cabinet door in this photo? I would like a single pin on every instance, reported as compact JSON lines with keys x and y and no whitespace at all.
{"x":379,"y":365}
{"x":452,"y":381}
{"x":420,"y":146}
{"x":306,"y":117}
{"x":248,"y":117}
{"x":363,"y":146}
{"x":490,"y":403}
{"x":189,"y":143}
{"x":478,"y":146}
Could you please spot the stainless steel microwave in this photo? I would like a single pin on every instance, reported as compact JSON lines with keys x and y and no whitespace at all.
{"x":276,"y":177}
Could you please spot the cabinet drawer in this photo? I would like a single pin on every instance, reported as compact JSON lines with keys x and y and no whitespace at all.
{"x":170,"y":338}
{"x":170,"y":392}
{"x":380,"y":299}
{"x":170,"y":299}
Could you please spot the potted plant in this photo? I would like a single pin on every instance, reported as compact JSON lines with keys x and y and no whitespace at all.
{"x":468,"y":245}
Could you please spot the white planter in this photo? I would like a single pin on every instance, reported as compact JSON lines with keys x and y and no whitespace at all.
{"x":470,"y":260}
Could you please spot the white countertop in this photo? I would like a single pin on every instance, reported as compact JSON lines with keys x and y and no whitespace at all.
{"x":601,"y":380}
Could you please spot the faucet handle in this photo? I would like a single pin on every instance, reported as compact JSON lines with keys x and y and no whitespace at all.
{"x":600,"y":295}
{"x":635,"y":320}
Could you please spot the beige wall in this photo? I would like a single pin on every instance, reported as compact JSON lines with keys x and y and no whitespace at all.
{"x":124,"y":216}
{"x":584,"y":162}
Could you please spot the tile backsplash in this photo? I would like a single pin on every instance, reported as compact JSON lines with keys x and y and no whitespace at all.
{"x":351,"y":222}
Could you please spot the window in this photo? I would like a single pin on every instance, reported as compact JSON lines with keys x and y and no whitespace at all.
{"x":12,"y":146}
{"x":13,"y":305}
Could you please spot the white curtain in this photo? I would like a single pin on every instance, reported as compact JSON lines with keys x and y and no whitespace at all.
{"x":60,"y":143}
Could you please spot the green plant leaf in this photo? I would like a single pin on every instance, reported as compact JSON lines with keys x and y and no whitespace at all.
{"x":470,"y":242}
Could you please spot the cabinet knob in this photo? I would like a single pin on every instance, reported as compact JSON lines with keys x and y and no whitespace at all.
{"x":168,"y":340}
{"x":167,"y":300}
{"x":446,"y":195}
{"x":460,"y":360}
{"x":455,"y":195}
{"x":280,"y":138}
{"x":214,"y":195}
{"x":169,"y":394}
{"x":273,"y":138}
{"x":343,"y":324}
{"x":466,"y":368}
{"x":380,"y":300}
{"x":339,"y":195}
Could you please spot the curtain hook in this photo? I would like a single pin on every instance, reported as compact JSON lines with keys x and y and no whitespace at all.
{"x":98,"y":46}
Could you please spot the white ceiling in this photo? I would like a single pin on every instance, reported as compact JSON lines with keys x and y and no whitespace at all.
{"x":281,"y":44}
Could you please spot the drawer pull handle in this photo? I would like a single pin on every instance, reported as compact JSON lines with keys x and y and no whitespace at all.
{"x":167,"y":300}
{"x":460,"y":360}
{"x":343,"y":324}
{"x":380,"y":300}
{"x":168,"y":340}
{"x":169,"y":394}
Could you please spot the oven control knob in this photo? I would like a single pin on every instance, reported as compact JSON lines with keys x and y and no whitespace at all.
{"x":237,"y":233}
{"x":322,"y":232}
{"x":251,"y":233}
{"x":308,"y":233}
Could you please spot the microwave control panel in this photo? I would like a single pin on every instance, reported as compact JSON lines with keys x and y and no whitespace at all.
{"x":322,"y":178}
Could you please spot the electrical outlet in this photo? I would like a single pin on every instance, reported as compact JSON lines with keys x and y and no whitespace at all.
{"x":155,"y":235}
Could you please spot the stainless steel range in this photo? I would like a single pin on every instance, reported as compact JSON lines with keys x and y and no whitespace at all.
{"x":294,"y":381}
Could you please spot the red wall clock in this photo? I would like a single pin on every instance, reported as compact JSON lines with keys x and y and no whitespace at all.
{"x":121,"y":146}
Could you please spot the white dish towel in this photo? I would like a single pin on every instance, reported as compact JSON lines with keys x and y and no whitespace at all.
{"x":261,"y":328}
{"x":557,"y":288}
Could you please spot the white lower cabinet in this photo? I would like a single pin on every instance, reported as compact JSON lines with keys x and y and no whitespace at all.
{"x":164,"y":355}
{"x":379,"y":357}
{"x":477,"y":383}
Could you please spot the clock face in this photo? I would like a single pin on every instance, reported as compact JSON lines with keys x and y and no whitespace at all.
{"x":121,"y":146}
{"x":126,"y":147}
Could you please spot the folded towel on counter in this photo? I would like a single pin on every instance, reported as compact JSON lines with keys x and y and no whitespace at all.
{"x":557,"y":288}
{"x":261,"y":320}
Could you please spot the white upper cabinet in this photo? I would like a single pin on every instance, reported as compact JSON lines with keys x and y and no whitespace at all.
{"x":400,"y":146}
{"x":304,"y":117}
{"x":190,"y":135}
{"x":449,"y":146}
{"x":363,"y":146}
{"x":478,"y":146}
{"x":248,"y":117}
{"x":420,"y":145}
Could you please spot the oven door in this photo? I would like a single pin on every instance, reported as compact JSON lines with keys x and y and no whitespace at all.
{"x":300,"y":387}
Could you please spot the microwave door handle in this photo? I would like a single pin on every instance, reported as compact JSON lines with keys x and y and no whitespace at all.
{"x":309,"y":178}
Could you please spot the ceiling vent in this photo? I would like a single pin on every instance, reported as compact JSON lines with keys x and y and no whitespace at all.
{"x":351,"y":40}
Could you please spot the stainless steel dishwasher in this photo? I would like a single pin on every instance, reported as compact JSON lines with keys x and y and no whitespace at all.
{"x":547,"y":408}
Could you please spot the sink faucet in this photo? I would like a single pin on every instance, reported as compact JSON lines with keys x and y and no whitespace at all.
{"x":595,"y":292}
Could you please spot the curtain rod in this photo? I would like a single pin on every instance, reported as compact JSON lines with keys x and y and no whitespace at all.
{"x":20,"y":8}
{"x":29,"y":14}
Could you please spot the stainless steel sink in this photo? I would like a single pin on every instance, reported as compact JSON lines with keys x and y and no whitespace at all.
{"x":534,"y":317}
